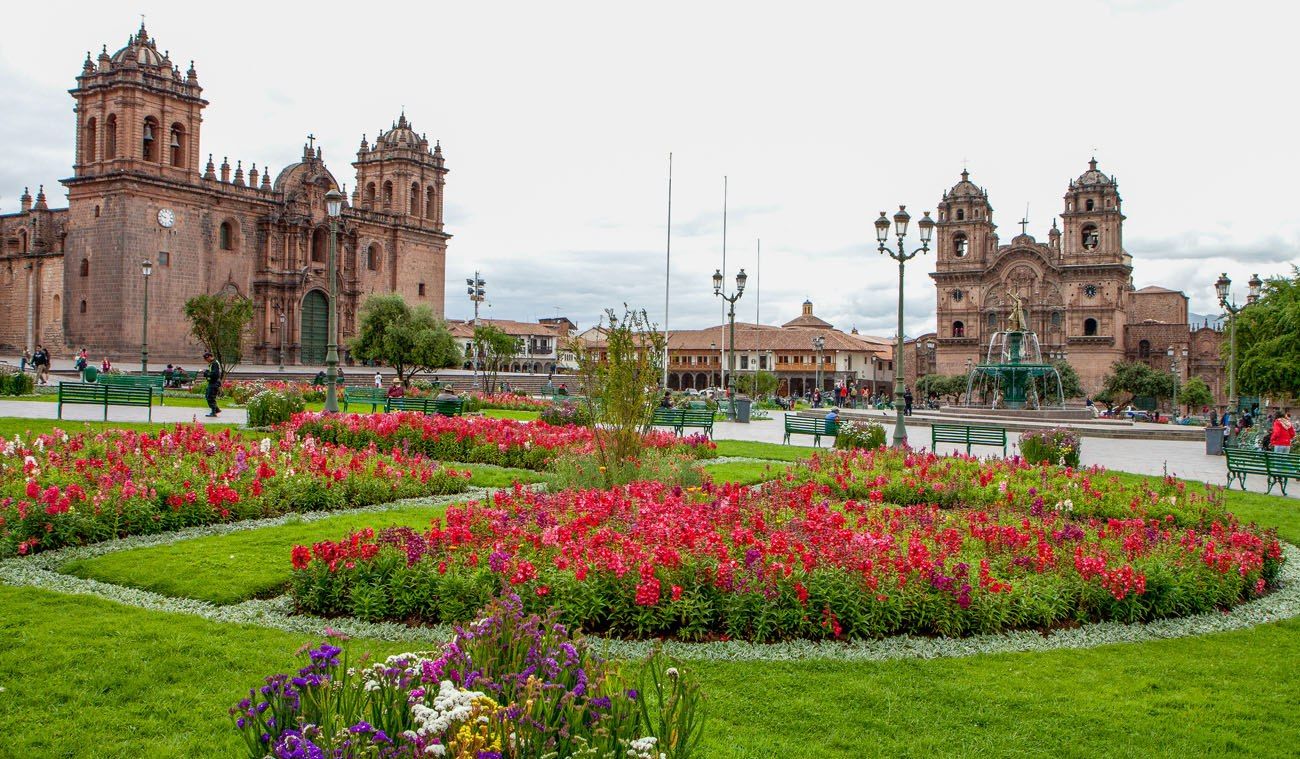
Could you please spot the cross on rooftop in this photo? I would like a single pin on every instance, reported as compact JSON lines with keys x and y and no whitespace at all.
{"x":311,"y":141}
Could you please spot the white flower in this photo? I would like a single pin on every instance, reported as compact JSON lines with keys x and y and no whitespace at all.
{"x":672,"y":672}
{"x":265,"y":446}
{"x":40,"y":444}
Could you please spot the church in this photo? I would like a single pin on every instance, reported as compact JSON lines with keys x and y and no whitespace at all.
{"x":141,"y":190}
{"x":1077,"y":290}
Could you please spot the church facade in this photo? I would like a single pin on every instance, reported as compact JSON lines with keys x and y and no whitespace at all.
{"x":1076,"y":289}
{"x":140,"y":190}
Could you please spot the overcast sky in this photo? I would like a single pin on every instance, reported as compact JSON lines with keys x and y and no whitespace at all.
{"x":556,"y":120}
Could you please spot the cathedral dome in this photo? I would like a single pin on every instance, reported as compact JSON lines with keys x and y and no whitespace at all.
{"x":310,"y":170}
{"x":966,"y":188}
{"x":1093,"y":177}
{"x":142,"y":51}
{"x":401,"y":135}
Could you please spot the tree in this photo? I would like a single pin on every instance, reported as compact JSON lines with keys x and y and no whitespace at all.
{"x":1070,"y":385}
{"x":1268,"y":339}
{"x":622,"y":386}
{"x":220,"y":322}
{"x":757,"y":385}
{"x":950,"y":386}
{"x":410,"y":340}
{"x":1138,"y":379}
{"x":497,"y":348}
{"x":1195,"y":393}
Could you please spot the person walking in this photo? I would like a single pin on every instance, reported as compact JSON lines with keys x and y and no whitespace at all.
{"x":25,"y":360}
{"x":106,"y":366}
{"x":379,"y":381}
{"x":907,"y":403}
{"x":214,"y":375}
{"x":41,"y":360}
{"x":1283,"y":432}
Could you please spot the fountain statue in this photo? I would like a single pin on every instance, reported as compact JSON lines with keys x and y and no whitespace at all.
{"x":1014,"y":374}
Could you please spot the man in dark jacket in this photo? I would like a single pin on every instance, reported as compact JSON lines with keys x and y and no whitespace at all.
{"x":214,"y":375}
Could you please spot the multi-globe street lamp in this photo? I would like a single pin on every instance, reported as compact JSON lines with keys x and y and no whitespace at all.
{"x":146,"y":268}
{"x":1223,"y":287}
{"x":926,"y":225}
{"x":819,"y":345}
{"x":1174,"y":367}
{"x":476,"y":288}
{"x":730,"y":380}
{"x":333,"y":207}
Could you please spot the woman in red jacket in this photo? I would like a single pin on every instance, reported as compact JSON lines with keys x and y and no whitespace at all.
{"x":1283,"y":432}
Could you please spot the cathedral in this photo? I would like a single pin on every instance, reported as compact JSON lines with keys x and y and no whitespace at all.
{"x":1077,"y":290}
{"x":141,"y":190}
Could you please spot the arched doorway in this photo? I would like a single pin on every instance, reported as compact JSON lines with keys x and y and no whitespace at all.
{"x":315,"y":327}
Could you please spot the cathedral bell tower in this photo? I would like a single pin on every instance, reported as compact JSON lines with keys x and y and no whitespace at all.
{"x":966,"y":232}
{"x":1093,"y":222}
{"x":137,"y":113}
{"x":399,"y":175}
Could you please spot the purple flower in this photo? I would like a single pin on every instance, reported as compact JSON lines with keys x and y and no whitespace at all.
{"x":361,"y":727}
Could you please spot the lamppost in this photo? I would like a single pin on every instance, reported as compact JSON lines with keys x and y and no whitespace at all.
{"x":279,"y":311}
{"x":819,"y":345}
{"x":730,"y":380}
{"x":1173,"y":369}
{"x":333,"y":206}
{"x":1223,"y":287}
{"x":476,"y":288}
{"x":713,"y":351}
{"x":926,"y":225}
{"x":146,"y":268}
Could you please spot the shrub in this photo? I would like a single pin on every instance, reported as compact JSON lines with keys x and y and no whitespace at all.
{"x":17,"y":383}
{"x":1059,"y":445}
{"x":271,"y":407}
{"x":510,"y":686}
{"x":860,"y":435}
{"x":561,"y":413}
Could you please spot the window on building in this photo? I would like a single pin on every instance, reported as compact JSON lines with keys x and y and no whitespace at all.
{"x":961,"y":214}
{"x":1088,"y":204}
{"x":82,"y":307}
{"x":744,"y":362}
{"x":1144,"y":349}
{"x":959,"y":244}
{"x":1056,"y":318}
{"x":370,"y":195}
{"x":1090,"y":327}
{"x":421,"y":290}
{"x":177,"y":145}
{"x":1089,"y":236}
{"x":110,"y":136}
{"x":429,"y":204}
{"x":388,"y":195}
{"x":958,"y":329}
{"x":319,"y":242}
{"x":372,"y":257}
{"x":96,"y":212}
{"x":88,"y":151}
{"x":164,"y":258}
{"x":414,"y":209}
{"x":992,"y":322}
{"x":762,"y":362}
{"x":148,"y":140}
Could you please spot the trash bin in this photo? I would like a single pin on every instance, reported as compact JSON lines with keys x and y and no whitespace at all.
{"x":1213,"y":441}
{"x":89,"y":374}
{"x":741,"y":404}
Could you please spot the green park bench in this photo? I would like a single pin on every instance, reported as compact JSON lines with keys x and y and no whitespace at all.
{"x":968,"y":435}
{"x":1277,"y":467}
{"x":76,"y":393}
{"x":697,"y":418}
{"x":377,"y":397}
{"x":807,"y":425}
{"x":154,"y":381}
{"x":668,"y":417}
{"x":427,"y":405}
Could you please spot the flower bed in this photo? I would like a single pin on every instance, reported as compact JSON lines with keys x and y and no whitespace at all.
{"x":888,"y":476}
{"x":485,"y":440}
{"x":476,"y":400}
{"x":510,"y":685}
{"x":787,"y":561}
{"x":58,"y":489}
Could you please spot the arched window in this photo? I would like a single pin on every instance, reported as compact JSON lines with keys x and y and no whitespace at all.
{"x":177,"y":145}
{"x":318,"y":243}
{"x":993,"y":321}
{"x":370,"y":195}
{"x":85,"y":267}
{"x":1144,"y":349}
{"x":1089,"y":236}
{"x":958,"y":329}
{"x":372,"y":257}
{"x":429,"y":203}
{"x":1088,"y":204}
{"x":961,"y":214}
{"x":82,"y":308}
{"x":110,"y":136}
{"x":959,"y":245}
{"x":388,"y":195}
{"x":414,"y":209}
{"x":1090,"y":327}
{"x":227,"y":236}
{"x":88,"y":152}
{"x":148,"y":139}
{"x":1056,"y":319}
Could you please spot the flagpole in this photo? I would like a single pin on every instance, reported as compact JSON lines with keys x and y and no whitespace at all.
{"x":758,"y":284}
{"x":722,"y":357}
{"x":668,"y":258}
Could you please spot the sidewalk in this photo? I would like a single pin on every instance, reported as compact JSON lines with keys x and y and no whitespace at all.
{"x":161,"y":414}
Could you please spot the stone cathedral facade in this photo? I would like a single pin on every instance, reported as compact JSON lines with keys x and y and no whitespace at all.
{"x":141,"y":189}
{"x":1077,"y":288}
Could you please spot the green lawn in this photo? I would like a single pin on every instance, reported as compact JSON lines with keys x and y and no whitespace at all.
{"x":774,"y":451}
{"x":12,"y":425}
{"x":744,"y":472}
{"x":504,"y":413}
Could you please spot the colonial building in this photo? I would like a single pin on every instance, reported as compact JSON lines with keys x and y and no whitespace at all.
{"x":541,"y":347}
{"x":1077,"y":290}
{"x":140,"y":189}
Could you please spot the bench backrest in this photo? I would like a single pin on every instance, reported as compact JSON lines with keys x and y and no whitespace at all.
{"x":671,"y":416}
{"x":366,"y":393}
{"x":408,"y":403}
{"x":447,"y":407}
{"x":961,"y":433}
{"x":1284,"y":464}
{"x":696,"y":417}
{"x":128,"y":380}
{"x":128,"y":395}
{"x":70,"y":392}
{"x":809,"y":424}
{"x":1245,"y":458}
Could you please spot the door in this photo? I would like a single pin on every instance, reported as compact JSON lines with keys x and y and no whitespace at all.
{"x":315,"y":327}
